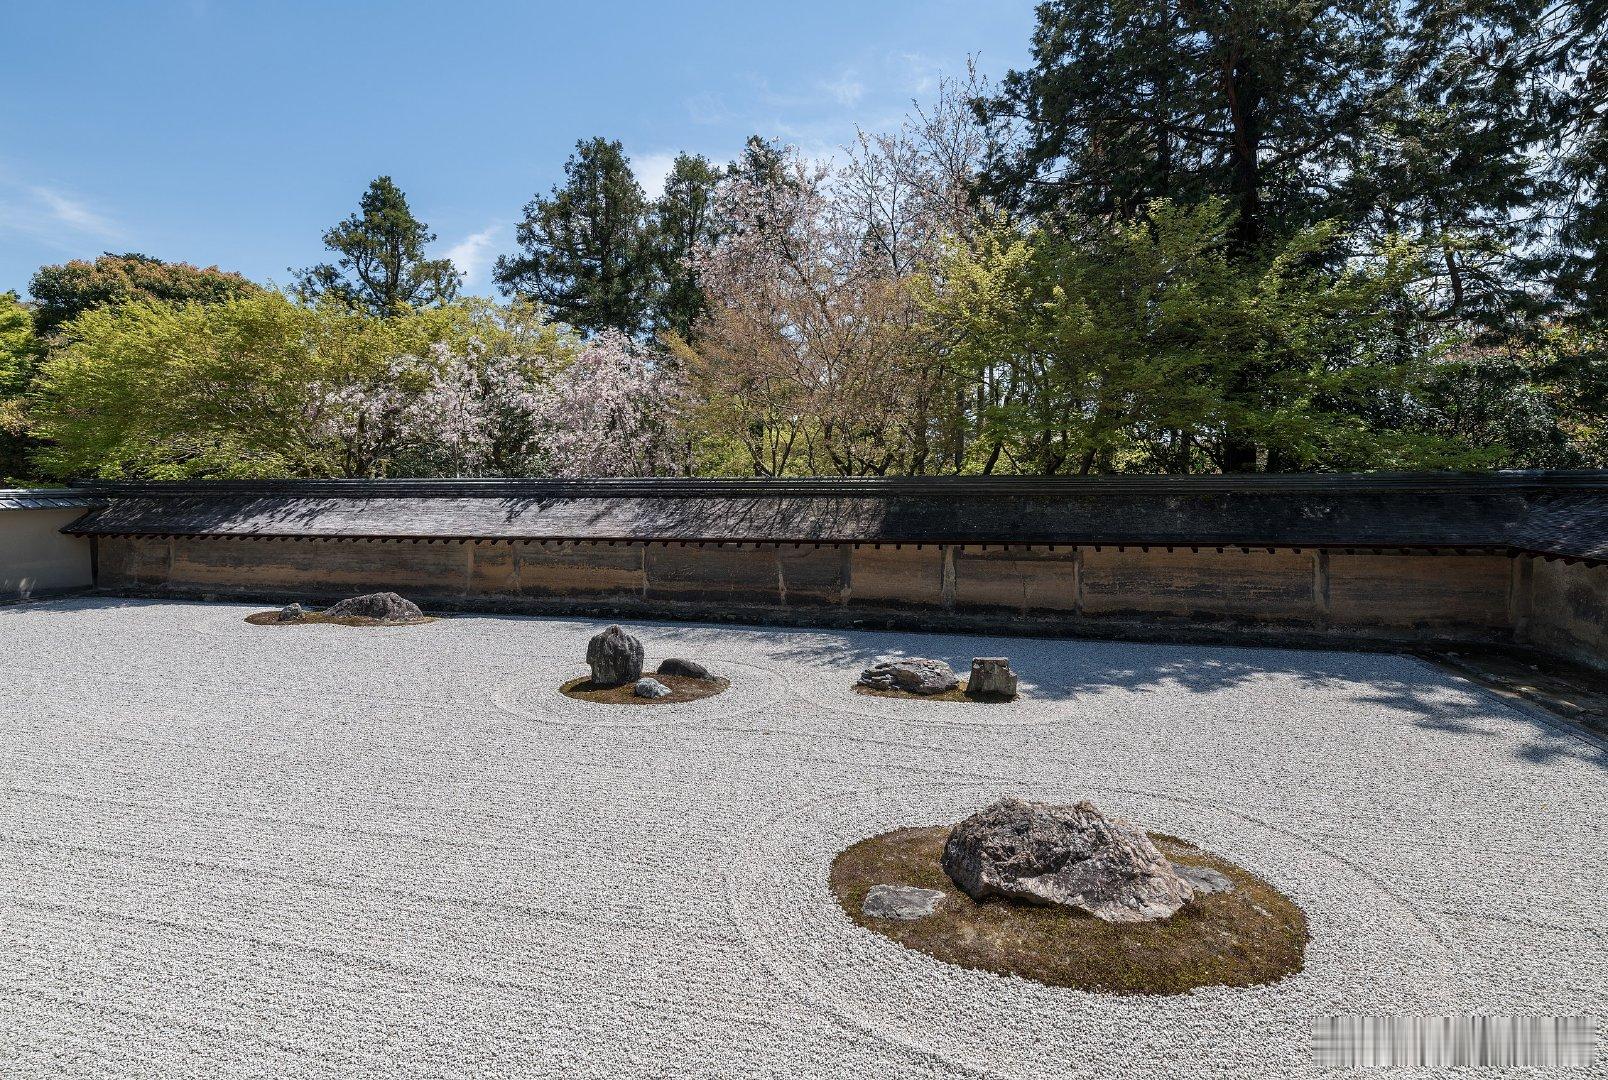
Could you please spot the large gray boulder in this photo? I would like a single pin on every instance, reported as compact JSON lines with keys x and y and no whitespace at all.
{"x":914,"y":675}
{"x":384,"y":606}
{"x":991,"y":676}
{"x":615,"y":658}
{"x":1071,"y":856}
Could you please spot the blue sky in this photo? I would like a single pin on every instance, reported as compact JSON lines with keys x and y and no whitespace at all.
{"x":235,"y":133}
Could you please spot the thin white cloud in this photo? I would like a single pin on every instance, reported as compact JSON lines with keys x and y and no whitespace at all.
{"x":52,"y":214}
{"x":652,"y":170}
{"x":846,"y":89}
{"x":472,"y":255}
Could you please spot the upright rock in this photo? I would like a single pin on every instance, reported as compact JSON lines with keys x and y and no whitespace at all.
{"x":991,"y":676}
{"x":615,"y":658}
{"x":915,"y":676}
{"x":1072,"y":856}
{"x":383,"y":606}
{"x":292,"y":613}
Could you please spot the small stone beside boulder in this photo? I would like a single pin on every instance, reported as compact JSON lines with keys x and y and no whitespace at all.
{"x":615,"y":658}
{"x":1071,"y":856}
{"x":915,"y":675}
{"x":991,"y":676}
{"x":292,"y":613}
{"x":380,"y":606}
{"x":905,"y":902}
{"x":651,"y":688}
{"x":687,"y":669}
{"x":1204,"y":880}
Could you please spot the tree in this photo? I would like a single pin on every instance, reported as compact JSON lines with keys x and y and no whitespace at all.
{"x":684,"y":222}
{"x":586,"y":250}
{"x":1149,"y":347}
{"x":1258,"y":102}
{"x":62,"y":293}
{"x":382,"y":268}
{"x":18,"y":358}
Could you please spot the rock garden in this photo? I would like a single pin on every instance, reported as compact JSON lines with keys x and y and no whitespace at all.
{"x":1067,"y":896}
{"x":616,"y":660}
{"x":991,"y":680}
{"x":370,"y":609}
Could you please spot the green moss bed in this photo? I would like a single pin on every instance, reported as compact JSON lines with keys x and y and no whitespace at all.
{"x":1251,"y":935}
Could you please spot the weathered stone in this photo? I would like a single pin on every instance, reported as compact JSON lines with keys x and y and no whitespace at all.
{"x":384,"y":606}
{"x":651,"y":688}
{"x":1203,"y":879}
{"x":914,"y":675}
{"x":991,"y":676}
{"x":615,"y":658}
{"x":904,"y":902}
{"x":1072,"y":856}
{"x":291,"y":612}
{"x":689,"y":669}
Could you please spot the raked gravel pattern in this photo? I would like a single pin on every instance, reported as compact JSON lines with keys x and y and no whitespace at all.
{"x":322,"y":851}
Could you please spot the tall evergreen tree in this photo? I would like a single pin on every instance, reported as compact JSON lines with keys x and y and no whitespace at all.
{"x":1259,"y":102}
{"x":382,"y":267}
{"x":586,"y":250}
{"x":684,"y":222}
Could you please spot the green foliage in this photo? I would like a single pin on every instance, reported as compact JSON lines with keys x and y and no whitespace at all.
{"x":164,"y":391}
{"x":684,"y":222}
{"x":587,"y":248}
{"x":18,"y":357}
{"x":382,"y":268}
{"x":1150,"y":346}
{"x":62,"y":293}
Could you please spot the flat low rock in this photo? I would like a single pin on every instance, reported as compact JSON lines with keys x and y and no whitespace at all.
{"x":915,"y":675}
{"x":1069,"y":856}
{"x":383,"y":606}
{"x":904,"y":902}
{"x":651,"y":688}
{"x":690,"y":669}
{"x":1203,"y":879}
{"x":615,"y":657}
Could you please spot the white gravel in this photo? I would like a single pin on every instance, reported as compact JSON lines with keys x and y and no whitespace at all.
{"x":319,"y":851}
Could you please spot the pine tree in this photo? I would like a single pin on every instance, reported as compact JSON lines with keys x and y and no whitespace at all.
{"x":586,"y":250}
{"x":684,"y":222}
{"x":382,"y":268}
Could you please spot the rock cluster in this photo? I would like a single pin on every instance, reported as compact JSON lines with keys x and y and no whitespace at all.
{"x":991,"y":676}
{"x":291,"y":612}
{"x":689,"y":669}
{"x":615,"y":658}
{"x":914,"y":675}
{"x":1072,"y":856}
{"x":382,"y":606}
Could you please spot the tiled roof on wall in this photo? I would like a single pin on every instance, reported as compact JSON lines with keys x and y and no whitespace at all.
{"x":1564,"y":514}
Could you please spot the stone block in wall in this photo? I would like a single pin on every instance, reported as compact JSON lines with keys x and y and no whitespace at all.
{"x":320,"y":567}
{"x":1404,"y":591}
{"x":890,"y":576}
{"x":1202,"y":585}
{"x":1568,"y":610}
{"x":1018,"y":580}
{"x":738,"y":573}
{"x":556,"y":570}
{"x":813,"y":575}
{"x":132,"y":562}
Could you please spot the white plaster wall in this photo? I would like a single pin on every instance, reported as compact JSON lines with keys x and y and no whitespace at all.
{"x":36,"y":558}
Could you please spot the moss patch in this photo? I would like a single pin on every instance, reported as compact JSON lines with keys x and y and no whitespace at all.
{"x":306,"y":618}
{"x":959,"y":693}
{"x":682,"y":688}
{"x":1251,"y":935}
